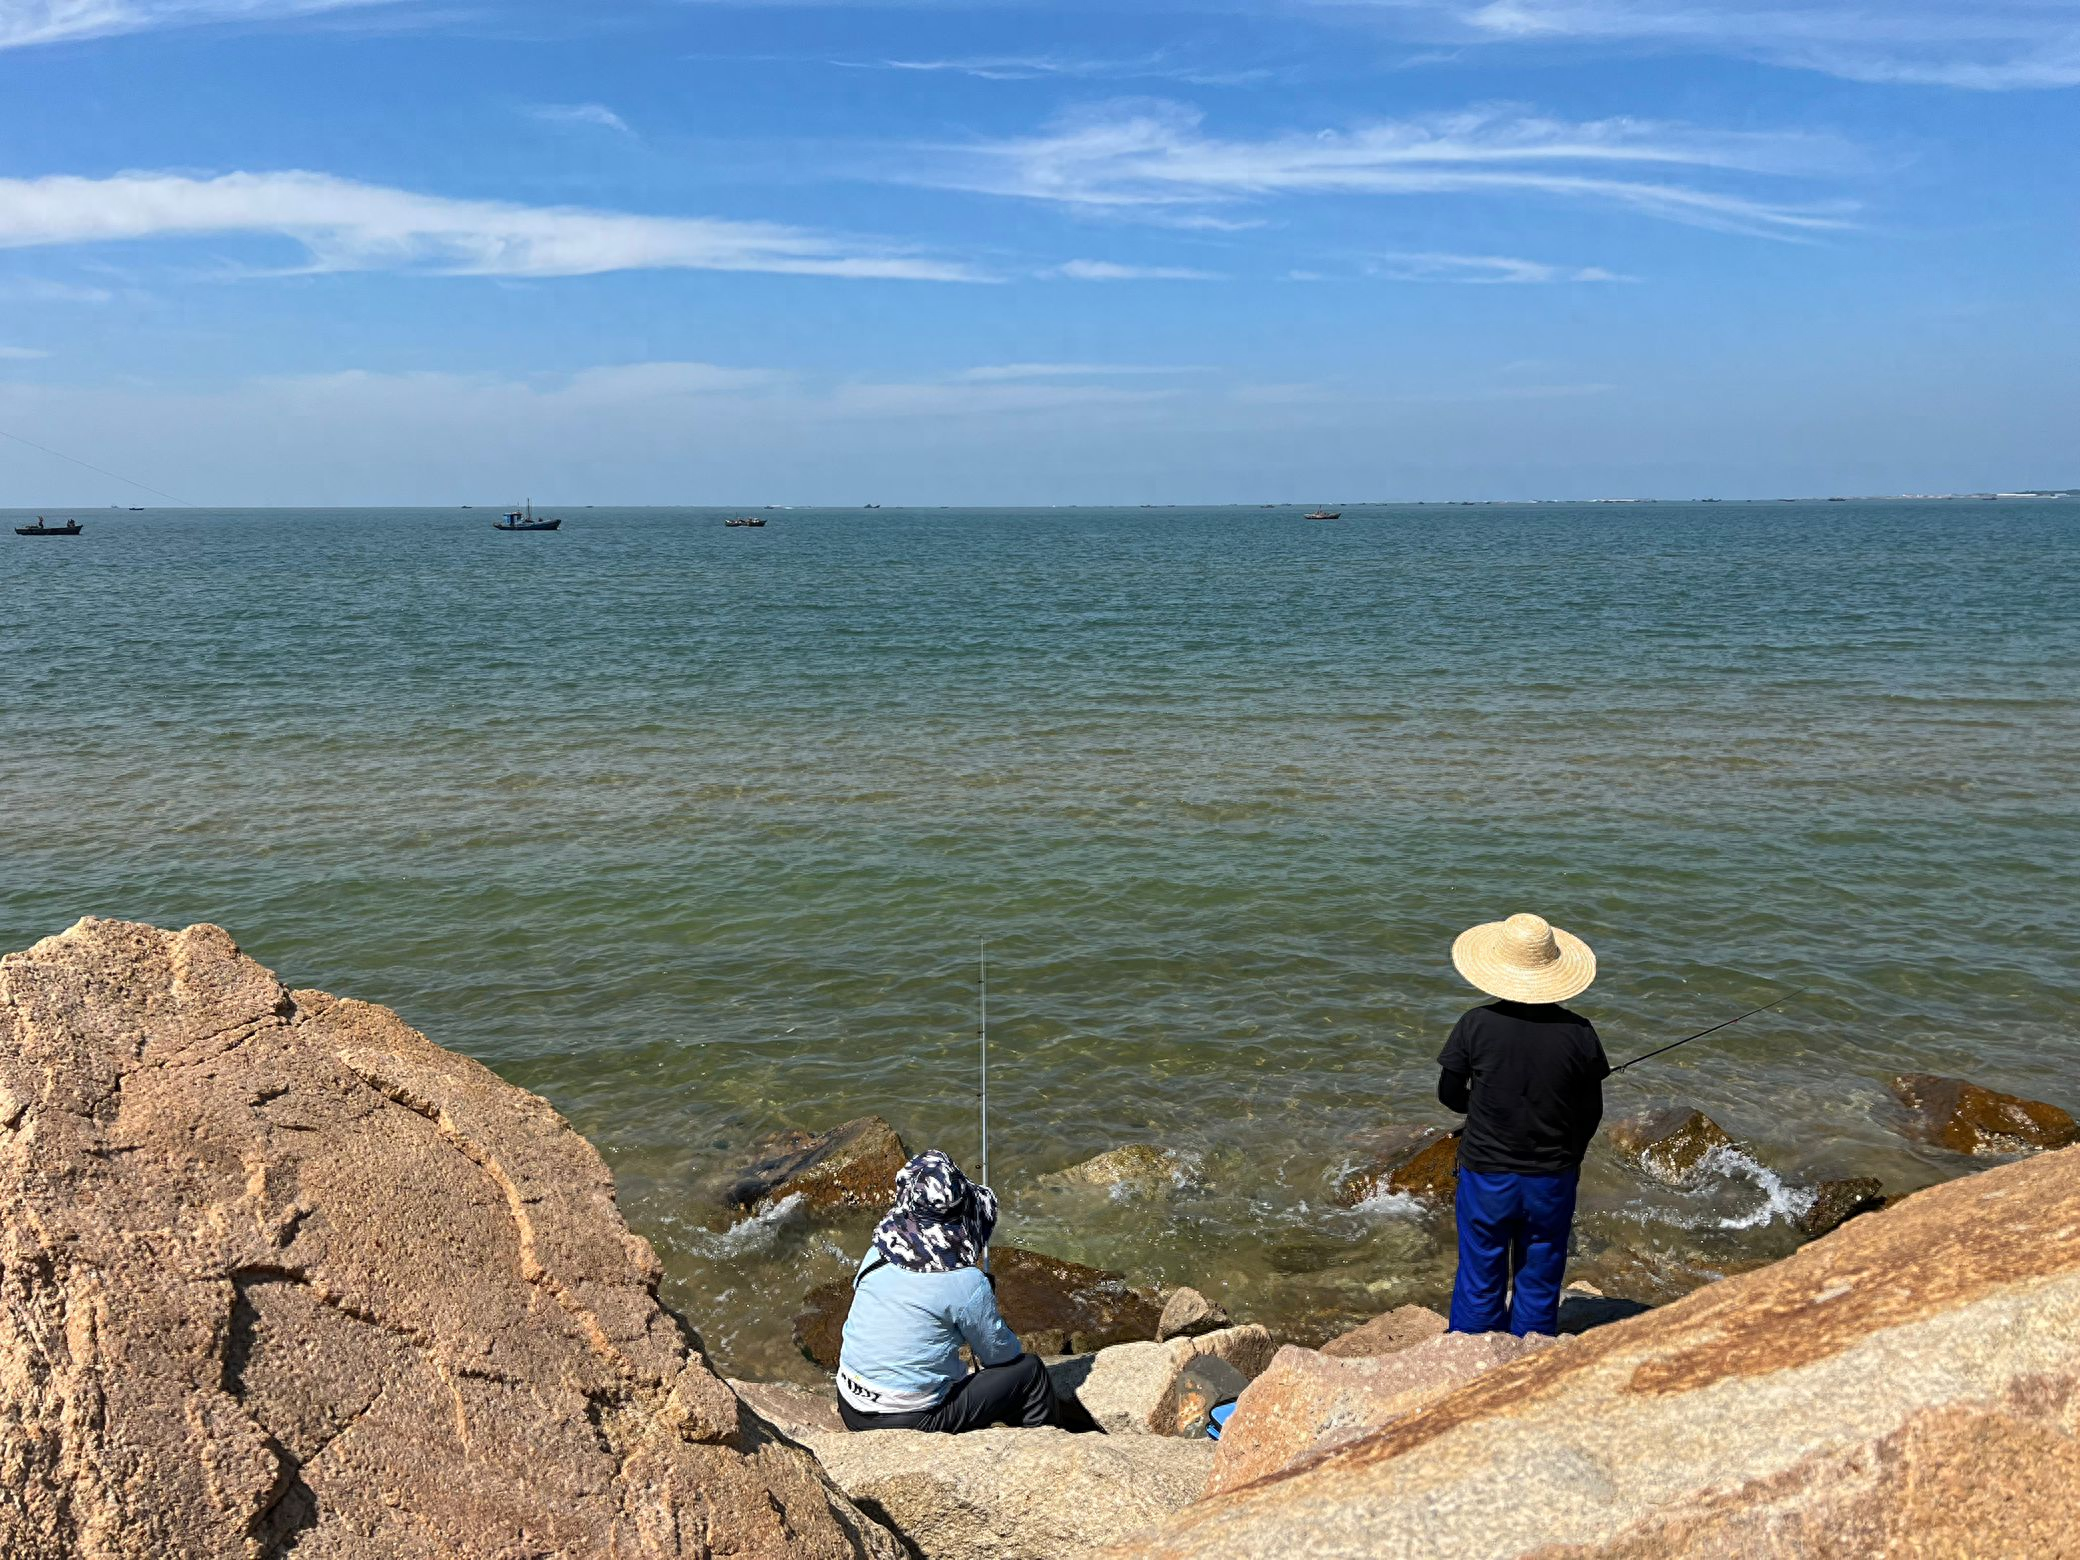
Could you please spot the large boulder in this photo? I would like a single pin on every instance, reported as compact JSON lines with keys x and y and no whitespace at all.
{"x":1136,"y":1171}
{"x":1134,"y":1388}
{"x":1419,"y":1162}
{"x":850,"y":1166}
{"x":1669,"y":1142}
{"x":1055,"y":1307}
{"x":1388,"y":1333}
{"x":1968,"y":1119}
{"x":1009,"y":1494}
{"x":1309,"y":1401}
{"x":1908,"y":1386}
{"x":278,"y":1272}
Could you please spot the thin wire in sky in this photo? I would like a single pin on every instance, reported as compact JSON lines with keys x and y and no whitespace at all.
{"x":116,"y":476}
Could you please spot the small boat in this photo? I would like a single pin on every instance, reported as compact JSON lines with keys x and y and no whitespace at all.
{"x":516,"y":520}
{"x":40,"y":528}
{"x":1324,"y":514}
{"x":747,"y":520}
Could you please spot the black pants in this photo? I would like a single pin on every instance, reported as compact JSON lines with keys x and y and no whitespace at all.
{"x":1016,"y":1394}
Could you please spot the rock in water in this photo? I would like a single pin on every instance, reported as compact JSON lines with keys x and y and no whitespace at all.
{"x":1136,"y":1170}
{"x":1401,"y":1328}
{"x":1422,"y":1163}
{"x":1669,"y":1142}
{"x":1015,"y":1494}
{"x":1055,"y":1307}
{"x":1968,"y":1119}
{"x":1835,"y":1203}
{"x":280,"y":1272}
{"x":852,"y":1166}
{"x":1187,"y":1314}
{"x":1308,"y":1402}
{"x":1905,"y":1387}
{"x":1134,"y":1388}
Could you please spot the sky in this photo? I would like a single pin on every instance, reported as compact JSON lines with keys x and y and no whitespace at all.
{"x":316,"y":252}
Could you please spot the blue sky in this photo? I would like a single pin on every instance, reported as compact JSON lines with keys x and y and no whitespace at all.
{"x":663,"y":251}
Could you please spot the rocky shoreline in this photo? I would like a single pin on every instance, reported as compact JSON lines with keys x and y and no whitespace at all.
{"x":278,"y":1276}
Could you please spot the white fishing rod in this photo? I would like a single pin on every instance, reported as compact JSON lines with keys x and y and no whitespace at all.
{"x":982,"y":963}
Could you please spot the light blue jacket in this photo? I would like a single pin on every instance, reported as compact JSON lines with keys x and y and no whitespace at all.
{"x":902,"y":1347}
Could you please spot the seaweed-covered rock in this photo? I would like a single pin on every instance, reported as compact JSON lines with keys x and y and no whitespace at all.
{"x":1835,"y":1203}
{"x":1969,"y":1119}
{"x":1668,"y":1142}
{"x":282,"y":1274}
{"x":1055,"y":1307}
{"x":1136,"y":1170}
{"x":1421,"y":1162}
{"x":850,"y":1166}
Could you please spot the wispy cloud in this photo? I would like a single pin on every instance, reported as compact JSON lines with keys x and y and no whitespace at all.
{"x":596,"y":115}
{"x":1108,"y":271}
{"x":1484,"y":269}
{"x":997,"y":373}
{"x":21,"y":354}
{"x":25,"y":22}
{"x":1154,"y":159}
{"x":1989,"y":45}
{"x":1038,"y":67}
{"x":348,"y":226}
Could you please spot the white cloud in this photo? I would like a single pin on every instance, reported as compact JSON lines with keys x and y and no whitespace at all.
{"x":24,"y":22}
{"x":1431,"y":267}
{"x":346,"y":226}
{"x":1988,"y":45}
{"x":1155,"y":160}
{"x":1037,"y":67}
{"x":21,"y":354}
{"x":1107,"y":271}
{"x":596,"y":115}
{"x":1000,"y":372}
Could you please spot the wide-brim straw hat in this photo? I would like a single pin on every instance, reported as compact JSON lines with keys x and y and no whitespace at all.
{"x":1524,"y":959}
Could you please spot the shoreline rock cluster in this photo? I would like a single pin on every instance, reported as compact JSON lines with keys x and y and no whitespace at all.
{"x":280,"y":1276}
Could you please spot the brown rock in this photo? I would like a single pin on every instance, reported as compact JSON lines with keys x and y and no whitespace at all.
{"x":852,"y":1166}
{"x":1308,"y":1402}
{"x":1418,"y":1162}
{"x":1055,"y":1307}
{"x":1389,"y":1333}
{"x":1835,"y":1203}
{"x":1669,"y":1142}
{"x":281,"y":1272}
{"x":1187,"y":1314}
{"x":1909,"y":1386}
{"x":1135,"y":1388}
{"x":1968,"y":1119}
{"x":1137,"y":1170}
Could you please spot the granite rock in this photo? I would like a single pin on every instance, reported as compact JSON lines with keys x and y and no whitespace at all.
{"x":1133,"y":1388}
{"x":1187,"y":1314}
{"x":1668,"y":1142}
{"x":1389,"y":1333}
{"x":1420,"y":1162}
{"x":1969,"y":1119}
{"x":850,"y":1166}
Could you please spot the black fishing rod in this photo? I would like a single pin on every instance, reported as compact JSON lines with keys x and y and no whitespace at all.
{"x":1664,"y":1050}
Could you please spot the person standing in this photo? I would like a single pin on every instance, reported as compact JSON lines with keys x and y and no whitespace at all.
{"x":920,"y":1294}
{"x":1528,"y":1075}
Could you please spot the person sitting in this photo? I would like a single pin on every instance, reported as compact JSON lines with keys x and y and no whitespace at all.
{"x":1528,"y":1075}
{"x":919,"y":1294}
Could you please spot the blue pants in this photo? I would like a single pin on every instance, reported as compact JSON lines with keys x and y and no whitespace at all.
{"x":1512,"y":1251}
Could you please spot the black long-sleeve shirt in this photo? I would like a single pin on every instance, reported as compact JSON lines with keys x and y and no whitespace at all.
{"x":1529,"y":1077}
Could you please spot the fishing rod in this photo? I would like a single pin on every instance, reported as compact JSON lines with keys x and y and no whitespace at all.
{"x":1664,"y":1050}
{"x":982,"y":962}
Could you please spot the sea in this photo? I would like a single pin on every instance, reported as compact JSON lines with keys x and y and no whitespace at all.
{"x":699,"y":832}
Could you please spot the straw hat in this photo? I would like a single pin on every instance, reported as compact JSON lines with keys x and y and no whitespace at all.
{"x":1524,"y":959}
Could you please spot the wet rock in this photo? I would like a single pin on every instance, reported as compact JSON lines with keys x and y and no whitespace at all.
{"x":1138,"y":1170}
{"x":1906,"y":1386}
{"x":1420,"y":1162}
{"x":1968,"y":1119}
{"x":851,"y":1166}
{"x":1389,"y":1333}
{"x":795,"y":1411}
{"x":1308,"y":1402}
{"x":1187,"y":1314}
{"x":1055,"y":1307}
{"x":1015,"y":1494}
{"x":1668,"y":1142}
{"x":1133,"y":1388}
{"x":1835,"y":1203}
{"x":280,"y":1273}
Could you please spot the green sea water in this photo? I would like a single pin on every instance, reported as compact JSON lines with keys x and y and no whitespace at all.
{"x":695,"y":831}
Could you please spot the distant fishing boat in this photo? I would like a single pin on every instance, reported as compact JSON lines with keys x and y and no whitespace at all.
{"x":1324,"y":514}
{"x":746,"y":520}
{"x":69,"y":528}
{"x":516,"y":520}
